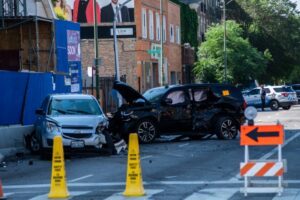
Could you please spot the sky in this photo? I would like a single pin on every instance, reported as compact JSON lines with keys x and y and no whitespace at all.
{"x":298,"y":3}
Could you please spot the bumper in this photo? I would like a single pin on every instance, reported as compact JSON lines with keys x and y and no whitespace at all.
{"x":93,"y":142}
{"x":288,"y":103}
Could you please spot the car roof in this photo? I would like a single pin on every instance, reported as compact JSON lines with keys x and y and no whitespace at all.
{"x":72,"y":96}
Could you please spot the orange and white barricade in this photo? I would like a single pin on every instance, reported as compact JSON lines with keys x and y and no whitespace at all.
{"x":265,"y":135}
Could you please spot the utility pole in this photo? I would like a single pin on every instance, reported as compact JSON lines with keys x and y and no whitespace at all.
{"x":161,"y":60}
{"x":96,"y":50}
{"x":116,"y":49}
{"x":225,"y":49}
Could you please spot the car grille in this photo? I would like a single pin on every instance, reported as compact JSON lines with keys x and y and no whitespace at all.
{"x":78,"y":127}
{"x":77,"y":135}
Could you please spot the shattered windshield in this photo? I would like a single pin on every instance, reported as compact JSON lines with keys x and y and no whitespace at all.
{"x":154,"y":95}
{"x":74,"y":107}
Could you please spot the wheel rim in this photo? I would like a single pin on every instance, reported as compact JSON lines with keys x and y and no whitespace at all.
{"x":228,"y":129}
{"x":35,"y":146}
{"x":146,"y":131}
{"x":275,"y":105}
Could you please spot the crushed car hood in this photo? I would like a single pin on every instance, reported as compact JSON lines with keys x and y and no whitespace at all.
{"x":127,"y":92}
{"x":76,"y":120}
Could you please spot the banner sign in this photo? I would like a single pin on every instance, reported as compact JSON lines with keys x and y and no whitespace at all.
{"x":82,"y":11}
{"x":73,"y":42}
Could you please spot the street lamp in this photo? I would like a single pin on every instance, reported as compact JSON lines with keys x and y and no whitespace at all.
{"x":225,"y":50}
{"x":117,"y":67}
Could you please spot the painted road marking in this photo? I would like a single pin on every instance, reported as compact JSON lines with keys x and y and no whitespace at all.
{"x":116,"y":184}
{"x":81,"y":178}
{"x":183,"y":145}
{"x":213,"y":194}
{"x":289,"y":194}
{"x":72,"y":194}
{"x":145,"y":157}
{"x":149,"y":194}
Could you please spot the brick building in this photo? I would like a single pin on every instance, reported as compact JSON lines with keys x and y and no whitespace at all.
{"x":140,"y":68}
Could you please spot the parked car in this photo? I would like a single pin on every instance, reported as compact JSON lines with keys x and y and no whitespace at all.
{"x":193,"y":110}
{"x":296,"y":87}
{"x":276,"y":97}
{"x":78,"y":118}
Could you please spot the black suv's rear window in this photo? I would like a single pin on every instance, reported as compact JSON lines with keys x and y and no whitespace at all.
{"x":283,"y":89}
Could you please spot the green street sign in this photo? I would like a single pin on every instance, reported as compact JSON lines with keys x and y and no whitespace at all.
{"x":153,"y":51}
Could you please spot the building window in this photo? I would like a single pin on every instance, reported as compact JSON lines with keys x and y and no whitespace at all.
{"x":151,"y":25}
{"x":157,"y":16}
{"x":173,"y":77}
{"x":178,"y":39}
{"x":144,"y":23}
{"x":164,"y":29}
{"x":172,"y":34}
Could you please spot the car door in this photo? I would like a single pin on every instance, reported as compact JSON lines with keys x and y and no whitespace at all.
{"x":176,"y":113}
{"x":253,"y":98}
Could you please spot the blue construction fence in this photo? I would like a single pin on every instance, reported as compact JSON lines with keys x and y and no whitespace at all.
{"x":22,"y":93}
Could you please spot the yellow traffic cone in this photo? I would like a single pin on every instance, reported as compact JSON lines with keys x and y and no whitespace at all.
{"x":134,"y":182}
{"x":58,"y":179}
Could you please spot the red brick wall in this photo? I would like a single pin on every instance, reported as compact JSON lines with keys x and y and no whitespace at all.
{"x":173,"y":50}
{"x":132,"y":52}
{"x":127,"y":60}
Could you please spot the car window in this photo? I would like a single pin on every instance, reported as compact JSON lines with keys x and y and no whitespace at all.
{"x":45,"y":103}
{"x":154,"y":95}
{"x":267,"y":90}
{"x":283,"y":89}
{"x":296,"y":87}
{"x":177,"y":97}
{"x":200,"y":95}
{"x":74,"y":107}
{"x":254,"y":92}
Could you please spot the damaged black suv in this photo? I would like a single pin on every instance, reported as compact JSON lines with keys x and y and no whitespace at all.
{"x":192,"y":110}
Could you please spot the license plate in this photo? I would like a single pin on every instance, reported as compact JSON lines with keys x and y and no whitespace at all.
{"x":77,"y":144}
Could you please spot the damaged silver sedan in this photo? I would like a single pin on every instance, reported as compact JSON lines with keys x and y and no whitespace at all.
{"x":78,"y":118}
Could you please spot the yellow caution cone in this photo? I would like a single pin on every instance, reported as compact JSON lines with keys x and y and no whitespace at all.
{"x":58,"y":178}
{"x":134,"y":182}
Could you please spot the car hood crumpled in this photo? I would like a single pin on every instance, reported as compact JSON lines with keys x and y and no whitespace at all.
{"x":79,"y":120}
{"x":127,"y":92}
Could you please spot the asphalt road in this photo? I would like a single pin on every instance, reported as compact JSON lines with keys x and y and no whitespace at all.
{"x":206,"y":169}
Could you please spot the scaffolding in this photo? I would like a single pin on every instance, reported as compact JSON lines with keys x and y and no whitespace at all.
{"x":14,"y":15}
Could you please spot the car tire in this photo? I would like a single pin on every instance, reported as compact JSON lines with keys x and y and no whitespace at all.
{"x":226,"y":128}
{"x":34,"y":144}
{"x":146,"y":130}
{"x":274,"y":105}
{"x":286,"y":107}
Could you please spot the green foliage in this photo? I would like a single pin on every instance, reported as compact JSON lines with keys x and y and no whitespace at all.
{"x":244,"y":62}
{"x":272,"y":25}
{"x":189,"y":24}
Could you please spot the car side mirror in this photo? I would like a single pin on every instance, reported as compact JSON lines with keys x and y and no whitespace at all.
{"x":167,"y":101}
{"x":40,"y":112}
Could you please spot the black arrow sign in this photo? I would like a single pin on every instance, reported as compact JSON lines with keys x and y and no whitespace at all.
{"x":254,"y":134}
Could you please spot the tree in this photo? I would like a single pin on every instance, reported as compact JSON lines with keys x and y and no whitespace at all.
{"x":189,"y":24}
{"x":244,"y":62}
{"x":273,"y":25}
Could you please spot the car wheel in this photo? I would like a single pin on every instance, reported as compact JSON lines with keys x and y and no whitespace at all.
{"x":226,"y":128}
{"x":274,"y":105}
{"x":286,"y":107}
{"x":146,"y":130}
{"x":34,"y":144}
